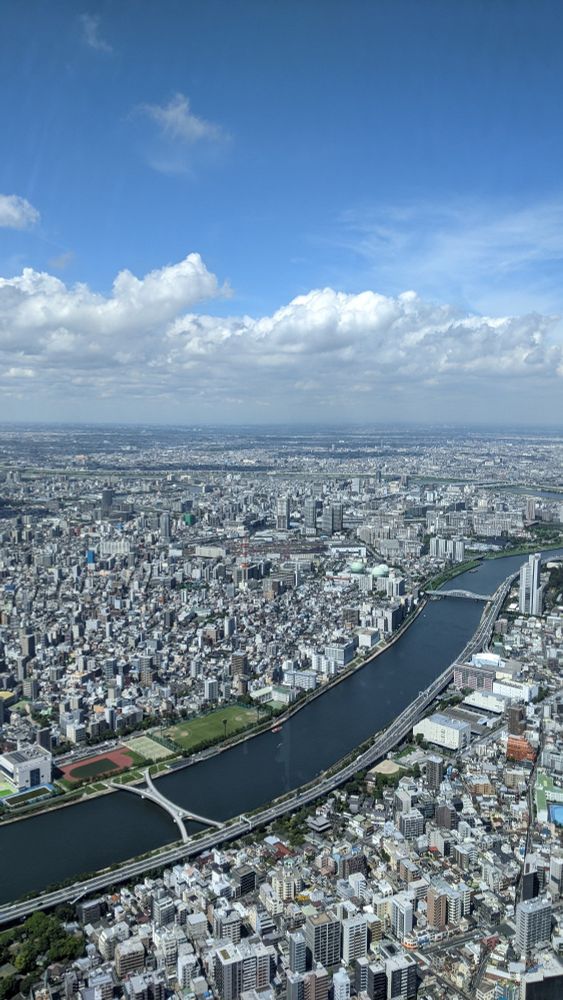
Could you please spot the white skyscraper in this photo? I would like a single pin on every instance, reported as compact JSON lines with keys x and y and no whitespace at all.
{"x":530,"y":596}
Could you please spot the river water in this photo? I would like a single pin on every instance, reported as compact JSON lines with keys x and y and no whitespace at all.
{"x":70,"y":842}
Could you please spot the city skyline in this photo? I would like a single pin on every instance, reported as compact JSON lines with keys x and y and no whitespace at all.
{"x":260,"y":215}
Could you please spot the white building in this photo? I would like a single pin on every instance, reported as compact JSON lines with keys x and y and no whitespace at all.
{"x":28,"y":767}
{"x":533,"y":924}
{"x":354,"y":936}
{"x":530,"y":596}
{"x":453,"y":734}
{"x":341,"y":984}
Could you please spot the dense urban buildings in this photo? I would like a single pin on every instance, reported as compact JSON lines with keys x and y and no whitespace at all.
{"x":165,"y":591}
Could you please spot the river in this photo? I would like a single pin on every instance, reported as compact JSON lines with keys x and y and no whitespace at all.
{"x":66,"y":843}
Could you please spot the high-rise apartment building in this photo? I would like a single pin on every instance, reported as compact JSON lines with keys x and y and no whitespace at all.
{"x":434,"y":771}
{"x":282,"y":513}
{"x":400,"y":970}
{"x":354,"y":937}
{"x":310,"y":515}
{"x":530,"y":597}
{"x":341,"y":985}
{"x":533,"y":924}
{"x":401,"y":915}
{"x":297,"y":952}
{"x":322,"y":937}
{"x":316,"y":984}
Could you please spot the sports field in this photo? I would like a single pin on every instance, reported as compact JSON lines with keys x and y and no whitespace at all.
{"x":93,"y":767}
{"x":147,"y":748}
{"x":197,"y":732}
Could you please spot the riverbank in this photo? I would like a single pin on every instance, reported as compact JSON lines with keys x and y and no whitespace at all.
{"x":523,"y":550}
{"x":307,"y":792}
{"x":179,"y":763}
{"x":164,"y":768}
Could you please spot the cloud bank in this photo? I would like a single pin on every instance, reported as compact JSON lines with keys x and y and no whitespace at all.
{"x":144,"y":340}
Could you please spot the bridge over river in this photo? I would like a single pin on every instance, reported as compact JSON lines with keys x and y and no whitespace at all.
{"x":466,"y":595}
{"x":149,"y":791}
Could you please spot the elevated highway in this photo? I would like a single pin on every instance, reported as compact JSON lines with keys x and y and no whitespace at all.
{"x":242,"y":825}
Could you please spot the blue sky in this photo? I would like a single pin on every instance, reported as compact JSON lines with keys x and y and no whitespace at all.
{"x":322,"y":159}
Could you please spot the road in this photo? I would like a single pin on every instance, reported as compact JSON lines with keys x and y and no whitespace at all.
{"x":242,"y":825}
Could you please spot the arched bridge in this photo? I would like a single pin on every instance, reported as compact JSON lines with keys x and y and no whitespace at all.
{"x":177,"y":812}
{"x":465,"y":594}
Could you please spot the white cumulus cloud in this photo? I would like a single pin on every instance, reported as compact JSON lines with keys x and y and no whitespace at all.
{"x":144,"y":341}
{"x":16,"y":212}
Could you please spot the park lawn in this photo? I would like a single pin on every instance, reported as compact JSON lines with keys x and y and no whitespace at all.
{"x":125,"y":779}
{"x":197,"y":732}
{"x":146,"y":748}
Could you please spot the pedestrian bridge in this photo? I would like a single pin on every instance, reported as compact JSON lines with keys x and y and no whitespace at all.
{"x":467,"y":595}
{"x":177,"y":812}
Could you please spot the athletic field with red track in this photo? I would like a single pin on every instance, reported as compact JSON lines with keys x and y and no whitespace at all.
{"x":109,"y":763}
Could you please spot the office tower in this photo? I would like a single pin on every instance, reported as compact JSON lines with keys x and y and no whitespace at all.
{"x":401,"y":915}
{"x":434,"y":771}
{"x":322,"y":937}
{"x":282,"y":513}
{"x":515,"y":715}
{"x":43,"y":737}
{"x":297,"y":952}
{"x":165,"y":528}
{"x":337,"y":517}
{"x":354,"y":938}
{"x":27,"y":643}
{"x":107,"y":500}
{"x":341,"y":985}
{"x":530,"y":878}
{"x":533,"y":924}
{"x":530,"y":594}
{"x":316,"y":984}
{"x":310,"y":516}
